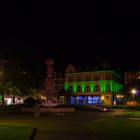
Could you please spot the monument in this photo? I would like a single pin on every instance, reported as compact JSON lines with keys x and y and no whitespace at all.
{"x":50,"y":84}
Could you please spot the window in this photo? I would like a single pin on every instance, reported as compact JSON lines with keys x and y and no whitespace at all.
{"x":87,"y":78}
{"x":79,"y":78}
{"x":96,"y":100}
{"x":107,"y":88}
{"x":97,"y":88}
{"x":138,"y":77}
{"x":87,"y":88}
{"x":129,"y":76}
{"x":97,"y":77}
{"x":79,"y":88}
{"x":70,"y":88}
{"x":70,"y":79}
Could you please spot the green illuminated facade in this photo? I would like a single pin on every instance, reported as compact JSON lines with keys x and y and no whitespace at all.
{"x":103,"y":84}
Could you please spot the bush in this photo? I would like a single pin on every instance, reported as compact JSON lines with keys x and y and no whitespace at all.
{"x":30,"y":102}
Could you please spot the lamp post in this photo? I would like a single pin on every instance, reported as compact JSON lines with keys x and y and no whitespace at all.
{"x":102,"y":99}
{"x":133,"y":94}
{"x":119,"y":99}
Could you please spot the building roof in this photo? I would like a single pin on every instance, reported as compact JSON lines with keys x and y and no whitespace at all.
{"x":100,"y":71}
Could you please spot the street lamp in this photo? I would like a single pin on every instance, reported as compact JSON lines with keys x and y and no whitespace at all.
{"x":119,"y":98}
{"x":102,"y":99}
{"x":133,"y":93}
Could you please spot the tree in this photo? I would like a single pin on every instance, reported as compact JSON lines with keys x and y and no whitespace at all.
{"x":66,"y":94}
{"x":36,"y":93}
{"x":12,"y":89}
{"x":3,"y":78}
{"x":30,"y":101}
{"x":12,"y":78}
{"x":2,"y":88}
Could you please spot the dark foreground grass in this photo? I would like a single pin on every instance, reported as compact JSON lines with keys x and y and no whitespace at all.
{"x":115,"y":129}
{"x":11,"y":132}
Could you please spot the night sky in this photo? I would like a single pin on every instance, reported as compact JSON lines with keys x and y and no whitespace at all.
{"x":26,"y":36}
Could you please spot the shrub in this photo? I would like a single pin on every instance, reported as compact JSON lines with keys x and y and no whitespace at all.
{"x":30,"y":102}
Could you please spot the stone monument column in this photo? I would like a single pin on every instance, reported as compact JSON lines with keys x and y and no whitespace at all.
{"x":50,"y":82}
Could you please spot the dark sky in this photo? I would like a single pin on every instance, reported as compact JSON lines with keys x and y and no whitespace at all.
{"x":27,"y":36}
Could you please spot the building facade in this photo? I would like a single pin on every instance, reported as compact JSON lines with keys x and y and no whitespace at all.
{"x":132,"y":81}
{"x":131,"y":76}
{"x":93,"y":87}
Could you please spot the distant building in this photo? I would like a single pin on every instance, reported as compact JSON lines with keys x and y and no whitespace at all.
{"x":131,"y":77}
{"x":92,"y":87}
{"x":132,"y":80}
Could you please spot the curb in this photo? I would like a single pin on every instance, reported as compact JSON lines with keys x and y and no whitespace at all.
{"x":33,"y":133}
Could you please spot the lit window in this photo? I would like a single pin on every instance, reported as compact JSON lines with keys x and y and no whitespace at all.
{"x":129,"y":76}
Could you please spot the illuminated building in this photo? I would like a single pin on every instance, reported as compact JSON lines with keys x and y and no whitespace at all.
{"x":92,"y":87}
{"x":132,"y":80}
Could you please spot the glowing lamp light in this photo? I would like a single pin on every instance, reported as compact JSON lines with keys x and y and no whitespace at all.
{"x":43,"y":97}
{"x":102,"y":97}
{"x":8,"y":101}
{"x":104,"y":109}
{"x":121,"y":96}
{"x":133,"y":91}
{"x":118,"y":96}
{"x":138,"y":77}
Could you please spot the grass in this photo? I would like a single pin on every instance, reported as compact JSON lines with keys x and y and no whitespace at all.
{"x":114,"y":129}
{"x":12,"y":132}
{"x":131,"y":114}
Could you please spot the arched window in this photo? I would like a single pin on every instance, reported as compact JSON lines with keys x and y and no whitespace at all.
{"x":87,"y":88}
{"x":71,"y":88}
{"x":79,"y":88}
{"x":108,"y":88}
{"x":97,"y":88}
{"x":129,"y":76}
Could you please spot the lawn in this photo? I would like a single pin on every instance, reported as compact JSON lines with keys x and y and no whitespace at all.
{"x":131,"y":114}
{"x":11,"y":132}
{"x":114,"y":129}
